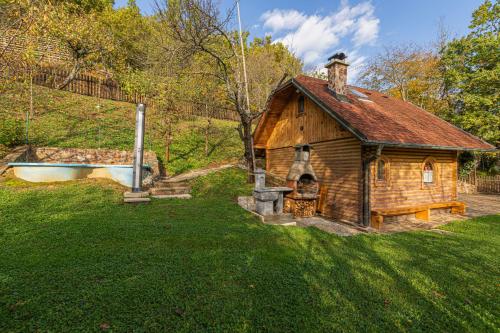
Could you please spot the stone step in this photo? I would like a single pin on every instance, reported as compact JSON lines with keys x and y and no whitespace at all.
{"x":281,"y":219}
{"x":172,"y":196}
{"x":171,"y":184}
{"x":278,"y":217}
{"x":170,"y":190}
{"x":136,"y":194}
{"x":285,"y":223}
{"x":136,"y":200}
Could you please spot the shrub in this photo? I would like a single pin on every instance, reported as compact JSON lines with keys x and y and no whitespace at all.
{"x":11,"y":132}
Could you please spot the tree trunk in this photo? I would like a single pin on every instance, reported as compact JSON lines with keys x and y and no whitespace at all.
{"x":245,"y":130}
{"x":32,"y":111}
{"x":168,"y":142}
{"x":207,"y":129}
{"x":71,"y":76}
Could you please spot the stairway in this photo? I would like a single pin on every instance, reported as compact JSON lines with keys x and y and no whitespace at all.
{"x":166,"y":188}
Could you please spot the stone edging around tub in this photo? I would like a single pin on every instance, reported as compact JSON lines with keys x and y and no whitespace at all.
{"x":15,"y":155}
{"x":78,"y":156}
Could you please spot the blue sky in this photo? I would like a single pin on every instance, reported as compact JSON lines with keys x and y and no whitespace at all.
{"x":316,"y":29}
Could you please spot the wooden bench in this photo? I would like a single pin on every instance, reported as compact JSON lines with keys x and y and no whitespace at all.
{"x":421,"y":212}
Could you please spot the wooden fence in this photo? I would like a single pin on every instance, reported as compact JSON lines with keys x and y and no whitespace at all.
{"x":84,"y":84}
{"x":90,"y":85}
{"x":480,"y":184}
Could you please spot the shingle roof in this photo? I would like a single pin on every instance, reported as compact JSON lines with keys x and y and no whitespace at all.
{"x":388,"y":120}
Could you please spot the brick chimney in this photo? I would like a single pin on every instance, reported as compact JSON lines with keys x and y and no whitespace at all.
{"x":337,"y":74}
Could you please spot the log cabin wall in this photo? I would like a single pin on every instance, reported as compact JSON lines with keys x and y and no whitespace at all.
{"x":336,"y":156}
{"x":404,"y":184}
{"x":314,"y":125}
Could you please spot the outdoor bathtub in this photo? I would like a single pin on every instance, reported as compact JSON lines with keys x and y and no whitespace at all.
{"x":57,"y":172}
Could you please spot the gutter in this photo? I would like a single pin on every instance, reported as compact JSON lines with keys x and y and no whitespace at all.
{"x":428,"y":146}
{"x":364,"y":140}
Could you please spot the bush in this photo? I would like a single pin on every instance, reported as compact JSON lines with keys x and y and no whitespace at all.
{"x":11,"y":132}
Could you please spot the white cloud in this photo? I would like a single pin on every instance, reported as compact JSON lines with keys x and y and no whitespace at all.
{"x":314,"y":37}
{"x":356,"y":63}
{"x":278,"y":19}
{"x":367,"y":31}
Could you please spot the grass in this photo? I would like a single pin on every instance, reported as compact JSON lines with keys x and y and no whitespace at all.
{"x":3,"y":151}
{"x":74,"y":258}
{"x":69,"y":120}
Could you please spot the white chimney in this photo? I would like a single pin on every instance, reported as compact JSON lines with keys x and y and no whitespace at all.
{"x":337,"y":74}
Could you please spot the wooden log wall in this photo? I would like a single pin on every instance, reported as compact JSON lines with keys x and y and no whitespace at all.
{"x":314,"y":125}
{"x":335,"y":158}
{"x":404,"y":185}
{"x":337,"y":164}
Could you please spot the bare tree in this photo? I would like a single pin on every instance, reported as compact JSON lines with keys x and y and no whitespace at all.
{"x":200,"y":29}
{"x":395,"y":68}
{"x":407,"y":72}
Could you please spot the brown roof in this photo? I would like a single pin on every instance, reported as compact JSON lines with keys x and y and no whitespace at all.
{"x":388,"y":120}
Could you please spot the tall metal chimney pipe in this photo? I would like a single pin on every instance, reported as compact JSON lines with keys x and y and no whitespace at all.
{"x":138,"y":147}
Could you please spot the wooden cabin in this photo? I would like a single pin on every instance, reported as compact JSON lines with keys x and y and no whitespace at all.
{"x":372,"y":155}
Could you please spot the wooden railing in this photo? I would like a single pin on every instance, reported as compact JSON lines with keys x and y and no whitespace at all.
{"x":481,"y":184}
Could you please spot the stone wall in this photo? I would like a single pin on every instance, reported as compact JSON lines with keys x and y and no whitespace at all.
{"x":90,"y":156}
{"x":48,"y":50}
{"x":17,"y":154}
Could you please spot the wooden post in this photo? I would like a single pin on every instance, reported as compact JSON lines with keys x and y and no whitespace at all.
{"x":366,"y":192}
{"x":367,"y":158}
{"x":423,"y":215}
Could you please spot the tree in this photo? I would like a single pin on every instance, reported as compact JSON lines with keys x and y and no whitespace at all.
{"x":84,"y":34}
{"x":22,"y":23}
{"x":409,"y":73}
{"x":267,"y":62}
{"x":471,"y":69}
{"x":198,"y":28}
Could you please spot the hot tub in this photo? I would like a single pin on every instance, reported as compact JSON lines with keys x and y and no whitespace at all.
{"x":57,"y":172}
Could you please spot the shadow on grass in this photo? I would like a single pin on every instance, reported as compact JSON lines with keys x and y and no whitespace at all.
{"x":73,"y":257}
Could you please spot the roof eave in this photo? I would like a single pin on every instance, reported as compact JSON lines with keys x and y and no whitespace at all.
{"x":425,"y":146}
{"x":360,"y":136}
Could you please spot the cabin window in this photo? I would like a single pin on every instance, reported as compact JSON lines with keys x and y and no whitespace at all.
{"x":381,"y":170}
{"x":300,"y":106}
{"x":428,"y":173}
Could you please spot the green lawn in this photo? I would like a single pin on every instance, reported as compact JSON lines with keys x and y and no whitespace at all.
{"x":69,"y":120}
{"x":74,"y":258}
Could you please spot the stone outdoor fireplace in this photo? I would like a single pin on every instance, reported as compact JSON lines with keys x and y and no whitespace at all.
{"x":301,"y":178}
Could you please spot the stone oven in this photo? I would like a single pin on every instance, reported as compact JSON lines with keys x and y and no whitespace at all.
{"x":301,"y":178}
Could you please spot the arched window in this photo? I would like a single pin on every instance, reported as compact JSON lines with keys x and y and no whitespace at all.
{"x":300,"y":106}
{"x":428,"y":173}
{"x":381,"y":170}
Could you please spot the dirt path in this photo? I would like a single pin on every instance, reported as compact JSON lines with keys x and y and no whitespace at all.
{"x":198,"y":173}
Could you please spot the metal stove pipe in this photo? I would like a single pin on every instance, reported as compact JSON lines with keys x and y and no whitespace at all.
{"x":138,"y":147}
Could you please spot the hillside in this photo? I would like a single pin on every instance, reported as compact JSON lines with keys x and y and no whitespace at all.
{"x":63,"y":119}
